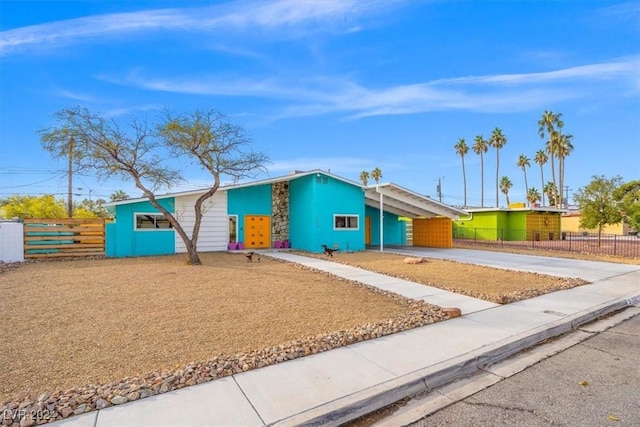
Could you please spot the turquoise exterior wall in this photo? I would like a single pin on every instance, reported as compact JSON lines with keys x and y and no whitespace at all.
{"x":313,"y":201}
{"x":395,"y":231}
{"x":122,"y":240}
{"x":249,"y":201}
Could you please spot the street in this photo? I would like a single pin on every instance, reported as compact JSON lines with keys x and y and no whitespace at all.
{"x":594,"y":383}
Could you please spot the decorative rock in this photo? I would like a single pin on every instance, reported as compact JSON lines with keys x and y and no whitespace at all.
{"x":101,"y":403}
{"x":134,"y":395}
{"x":165,"y":388}
{"x":452,"y":312}
{"x":119,"y":400}
{"x":27,"y":421}
{"x":80,"y":409}
{"x":66,"y":411}
{"x":44,"y":396}
{"x":411,"y":260}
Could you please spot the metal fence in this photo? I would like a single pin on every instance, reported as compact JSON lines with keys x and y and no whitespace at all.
{"x":607,"y":244}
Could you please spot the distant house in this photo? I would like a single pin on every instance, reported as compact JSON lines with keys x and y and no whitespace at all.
{"x":302,"y":210}
{"x":522,"y":223}
{"x":571,"y":223}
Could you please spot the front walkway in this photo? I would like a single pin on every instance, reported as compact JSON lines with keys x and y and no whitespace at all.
{"x":332,"y":387}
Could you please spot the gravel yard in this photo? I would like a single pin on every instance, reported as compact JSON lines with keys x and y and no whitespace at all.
{"x":85,"y":334}
{"x":68,"y":324}
{"x":490,"y":284}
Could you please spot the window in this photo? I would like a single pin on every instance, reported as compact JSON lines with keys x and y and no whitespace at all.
{"x":345,"y":222}
{"x":152,"y":221}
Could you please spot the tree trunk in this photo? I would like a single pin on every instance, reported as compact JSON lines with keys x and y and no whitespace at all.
{"x":481,"y":180}
{"x":192,"y":252}
{"x":464,"y":180}
{"x":526,"y":185}
{"x":497,"y":173}
{"x":599,"y":233}
{"x":542,"y":188}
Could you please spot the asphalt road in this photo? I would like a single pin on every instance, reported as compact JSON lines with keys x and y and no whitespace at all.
{"x":594,"y":383}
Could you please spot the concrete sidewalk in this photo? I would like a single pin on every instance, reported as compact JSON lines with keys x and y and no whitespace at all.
{"x":342,"y":384}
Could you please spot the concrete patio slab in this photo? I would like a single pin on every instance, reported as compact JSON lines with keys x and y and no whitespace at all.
{"x":513,"y":319}
{"x":85,"y":420}
{"x":464,"y":303}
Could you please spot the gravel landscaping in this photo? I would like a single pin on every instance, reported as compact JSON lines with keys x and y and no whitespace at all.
{"x":487,"y":283}
{"x":86,"y":334}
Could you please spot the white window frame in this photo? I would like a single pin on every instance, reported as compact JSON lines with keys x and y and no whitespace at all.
{"x":155,"y":214}
{"x":345,"y":228}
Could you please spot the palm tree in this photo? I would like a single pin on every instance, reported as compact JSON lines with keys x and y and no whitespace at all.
{"x":376,"y":174}
{"x":550,"y":125}
{"x":481,"y":146}
{"x":533,"y":195}
{"x":551,"y":192}
{"x":564,"y":149}
{"x":118,"y":195}
{"x":364,"y":177}
{"x":461,"y":150}
{"x":497,"y":141}
{"x":524,"y":163}
{"x":505,"y":186}
{"x":541,"y":159}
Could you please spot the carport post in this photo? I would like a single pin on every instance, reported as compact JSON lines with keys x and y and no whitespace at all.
{"x":381,"y":220}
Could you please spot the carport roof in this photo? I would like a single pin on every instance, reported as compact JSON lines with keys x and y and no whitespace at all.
{"x":401,"y":201}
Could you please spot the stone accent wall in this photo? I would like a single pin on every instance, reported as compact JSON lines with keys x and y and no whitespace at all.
{"x":280,"y":211}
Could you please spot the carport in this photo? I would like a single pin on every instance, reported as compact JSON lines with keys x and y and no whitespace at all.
{"x":403,"y":202}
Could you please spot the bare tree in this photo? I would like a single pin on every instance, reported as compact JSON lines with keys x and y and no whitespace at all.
{"x":207,"y":138}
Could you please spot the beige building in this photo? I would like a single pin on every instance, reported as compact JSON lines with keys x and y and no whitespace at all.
{"x":570,"y":222}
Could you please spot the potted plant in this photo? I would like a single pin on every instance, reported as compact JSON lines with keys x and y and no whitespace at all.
{"x":285,"y":243}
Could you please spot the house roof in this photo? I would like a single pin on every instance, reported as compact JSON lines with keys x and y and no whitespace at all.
{"x":396,"y":199}
{"x":530,"y":209}
{"x":288,"y":177}
{"x":404,"y":202}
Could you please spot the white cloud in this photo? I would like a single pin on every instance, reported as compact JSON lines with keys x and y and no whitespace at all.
{"x":312,"y":96}
{"x":297,"y":17}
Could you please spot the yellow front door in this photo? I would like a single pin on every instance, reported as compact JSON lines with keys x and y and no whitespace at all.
{"x":367,"y":230}
{"x":257,"y":232}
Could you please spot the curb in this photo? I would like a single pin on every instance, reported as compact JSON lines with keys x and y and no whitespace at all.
{"x":425,"y":380}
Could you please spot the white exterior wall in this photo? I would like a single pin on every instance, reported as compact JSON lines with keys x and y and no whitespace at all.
{"x":11,"y":242}
{"x":214,"y":228}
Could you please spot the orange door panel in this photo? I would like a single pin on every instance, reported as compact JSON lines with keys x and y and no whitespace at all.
{"x":257,"y":232}
{"x":367,"y":230}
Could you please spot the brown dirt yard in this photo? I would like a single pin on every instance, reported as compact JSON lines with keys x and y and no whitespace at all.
{"x":491,"y":284}
{"x":70,"y":324}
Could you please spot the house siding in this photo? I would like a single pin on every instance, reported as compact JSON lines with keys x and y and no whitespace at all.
{"x":124,"y":241}
{"x":395,"y":231}
{"x":314,"y":200}
{"x":249,"y":201}
{"x":214,"y":227}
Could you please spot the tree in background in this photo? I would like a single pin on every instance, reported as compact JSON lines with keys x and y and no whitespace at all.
{"x":597,"y":204}
{"x":207,"y":138}
{"x":364,"y":177}
{"x":497,"y":141}
{"x":376,"y":174}
{"x":563,"y":150}
{"x":552,"y":193}
{"x":628,"y":198}
{"x":33,"y":207}
{"x":462,"y":149}
{"x":533,"y":196}
{"x":48,"y":207}
{"x":541,"y":159}
{"x":549,"y":127}
{"x":523,"y":163}
{"x":117,"y":196}
{"x":481,"y":146}
{"x":505,"y":186}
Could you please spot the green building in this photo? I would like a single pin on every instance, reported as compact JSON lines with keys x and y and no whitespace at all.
{"x":513,"y":224}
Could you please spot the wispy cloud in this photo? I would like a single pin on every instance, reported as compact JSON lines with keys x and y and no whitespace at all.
{"x":297,"y":17}
{"x":488,"y":93}
{"x":75,"y":96}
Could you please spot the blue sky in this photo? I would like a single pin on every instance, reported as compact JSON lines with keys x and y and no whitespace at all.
{"x":339,"y":85}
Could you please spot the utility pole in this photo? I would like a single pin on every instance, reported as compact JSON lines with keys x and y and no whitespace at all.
{"x":566,"y":196}
{"x":70,"y":180}
{"x":439,"y":188}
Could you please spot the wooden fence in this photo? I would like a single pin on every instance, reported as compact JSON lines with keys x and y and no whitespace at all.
{"x":46,"y":238}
